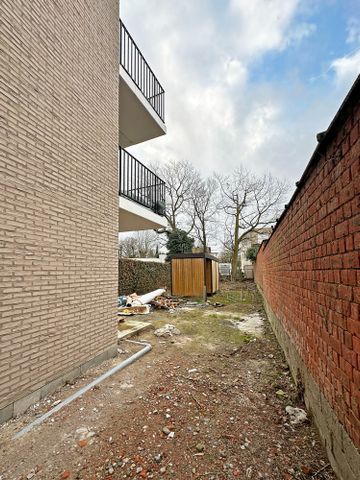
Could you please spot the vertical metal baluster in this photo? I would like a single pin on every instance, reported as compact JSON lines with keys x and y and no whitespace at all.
{"x":142,"y":74}
{"x":130,"y":175}
{"x":124,"y":161}
{"x":125,"y":176}
{"x":153,"y":193}
{"x":119,"y":171}
{"x":133,"y":183}
{"x":132,"y":59}
{"x":148,"y":190}
{"x":122,"y":166}
{"x":137,"y":180}
{"x":120,"y":41}
{"x":128,"y":52}
{"x":133,"y":53}
{"x":156,"y":95}
{"x":151,"y":89}
{"x":123,"y":49}
{"x":126,"y":186}
{"x":137,"y":67}
{"x":141,"y":183}
{"x":122,"y":171}
{"x":156,"y":195}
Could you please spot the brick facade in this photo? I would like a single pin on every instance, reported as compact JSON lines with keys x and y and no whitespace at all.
{"x":309,"y":270}
{"x":58,"y":189}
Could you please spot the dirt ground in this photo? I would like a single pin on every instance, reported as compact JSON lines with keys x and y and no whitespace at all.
{"x":206,"y":404}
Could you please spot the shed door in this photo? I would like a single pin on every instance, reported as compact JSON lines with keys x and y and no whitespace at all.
{"x":187,"y":277}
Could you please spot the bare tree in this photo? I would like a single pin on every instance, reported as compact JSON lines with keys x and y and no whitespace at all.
{"x":250,"y":202}
{"x":181,"y":179}
{"x":142,"y":244}
{"x":127,"y":247}
{"x":205,"y":204}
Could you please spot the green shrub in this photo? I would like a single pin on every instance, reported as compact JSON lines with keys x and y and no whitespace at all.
{"x":252,"y":252}
{"x":179,"y":242}
{"x":142,"y":277}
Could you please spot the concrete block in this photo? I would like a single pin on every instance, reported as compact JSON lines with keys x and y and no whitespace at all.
{"x":94,"y":362}
{"x":21,"y":405}
{"x":351,"y":453}
{"x":112,"y":352}
{"x":346,"y":471}
{"x":6,"y":413}
{"x":72,"y":375}
{"x":50,"y":388}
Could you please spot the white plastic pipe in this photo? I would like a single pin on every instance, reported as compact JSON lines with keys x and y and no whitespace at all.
{"x":74,"y":396}
{"x":151,"y":295}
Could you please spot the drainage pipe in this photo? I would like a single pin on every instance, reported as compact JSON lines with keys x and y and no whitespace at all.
{"x":146,"y":348}
{"x":151,"y":295}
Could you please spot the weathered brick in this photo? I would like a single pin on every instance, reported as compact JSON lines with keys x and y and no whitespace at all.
{"x":342,"y":230}
{"x":314,"y":290}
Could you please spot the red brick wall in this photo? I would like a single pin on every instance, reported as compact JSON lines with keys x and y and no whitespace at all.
{"x":58,"y":189}
{"x":309,"y":271}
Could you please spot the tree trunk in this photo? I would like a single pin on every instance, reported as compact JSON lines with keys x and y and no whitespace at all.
{"x":172,"y":223}
{"x":204,"y":238}
{"x":235,"y":252}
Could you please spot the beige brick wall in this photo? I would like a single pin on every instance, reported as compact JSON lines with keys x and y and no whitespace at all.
{"x":58,"y":188}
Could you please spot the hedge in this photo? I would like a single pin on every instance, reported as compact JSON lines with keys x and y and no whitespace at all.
{"x":142,"y":277}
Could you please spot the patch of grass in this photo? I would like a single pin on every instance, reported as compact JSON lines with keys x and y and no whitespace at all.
{"x":227,"y":313}
{"x":213,"y":331}
{"x":241,"y":299}
{"x":204,"y":329}
{"x":207,"y":328}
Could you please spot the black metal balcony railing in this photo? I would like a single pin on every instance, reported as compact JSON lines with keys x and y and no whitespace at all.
{"x":137,"y":67}
{"x":140,"y":184}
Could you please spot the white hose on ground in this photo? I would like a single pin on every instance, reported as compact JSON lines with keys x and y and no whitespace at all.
{"x":81,"y":391}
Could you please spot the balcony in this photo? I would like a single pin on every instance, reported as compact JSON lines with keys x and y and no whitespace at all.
{"x":141,"y":196}
{"x":141,"y":97}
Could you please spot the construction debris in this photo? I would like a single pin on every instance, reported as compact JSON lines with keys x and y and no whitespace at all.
{"x":135,"y":304}
{"x":138,"y":305}
{"x":163,"y":303}
{"x":193,"y":304}
{"x":297,"y":415}
{"x":122,"y":300}
{"x":135,"y":300}
{"x":167,"y":330}
{"x":216,"y":304}
{"x":135,"y":310}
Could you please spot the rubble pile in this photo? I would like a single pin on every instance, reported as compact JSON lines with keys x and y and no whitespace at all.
{"x":167,"y":331}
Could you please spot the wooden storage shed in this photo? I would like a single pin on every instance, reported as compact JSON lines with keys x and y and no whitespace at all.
{"x":187,"y":274}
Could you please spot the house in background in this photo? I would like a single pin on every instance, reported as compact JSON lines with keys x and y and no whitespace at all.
{"x":252,"y":239}
{"x":77,"y":92}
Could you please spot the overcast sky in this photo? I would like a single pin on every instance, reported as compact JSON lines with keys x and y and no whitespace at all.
{"x":248,"y":81}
